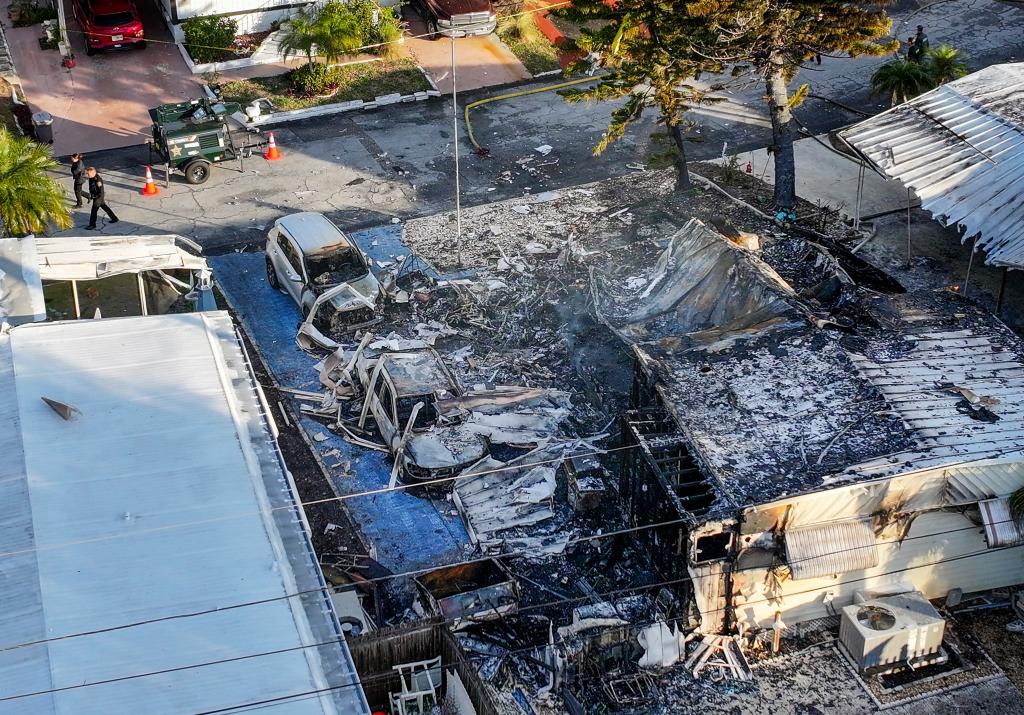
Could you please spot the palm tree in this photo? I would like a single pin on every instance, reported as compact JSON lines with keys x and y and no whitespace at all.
{"x":901,"y":80}
{"x":337,"y":32}
{"x":30,"y":199}
{"x":945,"y":63}
{"x":299,"y":35}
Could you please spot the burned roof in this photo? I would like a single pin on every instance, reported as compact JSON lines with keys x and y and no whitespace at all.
{"x":960,"y":147}
{"x":786,"y":406}
{"x":418,"y":372}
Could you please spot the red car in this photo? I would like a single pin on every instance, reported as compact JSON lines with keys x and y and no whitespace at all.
{"x":109,"y":24}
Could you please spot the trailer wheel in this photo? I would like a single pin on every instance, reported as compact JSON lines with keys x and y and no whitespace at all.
{"x":197,"y":171}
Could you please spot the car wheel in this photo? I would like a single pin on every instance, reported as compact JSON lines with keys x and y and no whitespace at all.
{"x":140,"y":45}
{"x":434,"y":30}
{"x":272,"y":278}
{"x":90,"y":51}
{"x":197,"y":172}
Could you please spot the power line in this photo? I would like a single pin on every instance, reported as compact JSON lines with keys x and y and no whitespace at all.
{"x":377,"y":676}
{"x":315,"y":502}
{"x":416,"y":572}
{"x":612,"y":593}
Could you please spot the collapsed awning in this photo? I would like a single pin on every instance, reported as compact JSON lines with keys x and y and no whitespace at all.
{"x":827,"y":549}
{"x":960,"y":148}
{"x":1001,"y":527}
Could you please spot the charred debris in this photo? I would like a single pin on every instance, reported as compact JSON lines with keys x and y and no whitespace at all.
{"x":547,"y":376}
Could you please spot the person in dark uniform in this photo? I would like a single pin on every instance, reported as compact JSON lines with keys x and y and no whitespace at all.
{"x":78,"y":174}
{"x":922,"y":43}
{"x":99,"y":200}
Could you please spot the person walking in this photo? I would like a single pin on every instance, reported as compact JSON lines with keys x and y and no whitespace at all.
{"x":97,"y":194}
{"x":912,"y":53}
{"x":78,"y":174}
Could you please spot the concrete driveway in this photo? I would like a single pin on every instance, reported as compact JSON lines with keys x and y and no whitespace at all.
{"x":481,"y":61}
{"x":104,"y":102}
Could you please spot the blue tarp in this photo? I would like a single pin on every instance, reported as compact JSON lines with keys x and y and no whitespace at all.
{"x":409,"y":532}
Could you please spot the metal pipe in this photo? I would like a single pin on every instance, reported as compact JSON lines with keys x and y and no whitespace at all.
{"x":142,"y":294}
{"x":1002,"y":289}
{"x":860,"y":194}
{"x":74,"y":295}
{"x":967,"y":280}
{"x":909,"y":254}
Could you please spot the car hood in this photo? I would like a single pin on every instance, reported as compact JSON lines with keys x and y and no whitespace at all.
{"x":447,"y":8}
{"x":444,"y":448}
{"x":365,"y":289}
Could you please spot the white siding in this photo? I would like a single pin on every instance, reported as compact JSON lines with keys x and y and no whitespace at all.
{"x":942,"y":551}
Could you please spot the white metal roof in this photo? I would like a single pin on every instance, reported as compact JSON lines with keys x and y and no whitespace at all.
{"x":27,"y":262}
{"x":313,"y":232}
{"x":165,"y":494}
{"x":960,"y":148}
{"x":921,"y":383}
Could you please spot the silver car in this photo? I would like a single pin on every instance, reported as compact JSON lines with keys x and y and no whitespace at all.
{"x":326,"y":274}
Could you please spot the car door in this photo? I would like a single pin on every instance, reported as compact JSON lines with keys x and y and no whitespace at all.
{"x":383,"y":408}
{"x":291,"y":266}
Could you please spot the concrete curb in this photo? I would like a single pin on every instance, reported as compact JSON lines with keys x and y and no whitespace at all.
{"x":323,"y":110}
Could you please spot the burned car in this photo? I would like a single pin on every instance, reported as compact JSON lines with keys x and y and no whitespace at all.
{"x":430,"y":424}
{"x":310,"y":259}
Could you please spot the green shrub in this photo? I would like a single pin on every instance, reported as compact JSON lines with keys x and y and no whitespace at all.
{"x":313,"y":79}
{"x":208,"y":39}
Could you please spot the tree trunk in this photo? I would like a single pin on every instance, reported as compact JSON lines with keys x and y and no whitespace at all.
{"x":782,"y":136}
{"x":682,"y":174}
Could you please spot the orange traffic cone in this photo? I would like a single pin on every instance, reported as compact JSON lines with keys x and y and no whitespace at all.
{"x":272,"y":150}
{"x":150,"y":188}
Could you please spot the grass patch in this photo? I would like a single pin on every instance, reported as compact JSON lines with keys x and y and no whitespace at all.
{"x":537,"y":54}
{"x":363,"y":81}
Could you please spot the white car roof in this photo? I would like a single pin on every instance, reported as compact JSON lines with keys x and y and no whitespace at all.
{"x":314,"y":233}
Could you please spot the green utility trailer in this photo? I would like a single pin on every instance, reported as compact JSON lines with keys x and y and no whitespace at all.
{"x":192,"y":136}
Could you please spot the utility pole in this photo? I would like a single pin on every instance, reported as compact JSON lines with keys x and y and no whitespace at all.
{"x":455,"y":142}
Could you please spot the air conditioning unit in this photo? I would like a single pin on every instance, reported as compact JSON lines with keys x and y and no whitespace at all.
{"x":891,"y":630}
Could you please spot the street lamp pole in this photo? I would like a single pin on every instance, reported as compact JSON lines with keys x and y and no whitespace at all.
{"x":455,"y":141}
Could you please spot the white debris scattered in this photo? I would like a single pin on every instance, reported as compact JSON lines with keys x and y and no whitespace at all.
{"x":544,"y":149}
{"x":320,"y":437}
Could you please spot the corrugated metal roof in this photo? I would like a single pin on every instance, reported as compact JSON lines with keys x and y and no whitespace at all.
{"x":932,"y":384}
{"x":835,"y":548}
{"x":169,"y":430}
{"x":89,"y":257}
{"x":960,"y":148}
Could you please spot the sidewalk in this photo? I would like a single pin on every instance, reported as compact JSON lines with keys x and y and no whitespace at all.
{"x":104,"y":102}
{"x":480,"y":61}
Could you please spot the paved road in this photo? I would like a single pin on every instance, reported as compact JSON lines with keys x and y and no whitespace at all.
{"x":366,"y":169}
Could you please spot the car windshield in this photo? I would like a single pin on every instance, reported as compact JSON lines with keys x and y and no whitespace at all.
{"x":338,"y":267}
{"x":114,"y":19}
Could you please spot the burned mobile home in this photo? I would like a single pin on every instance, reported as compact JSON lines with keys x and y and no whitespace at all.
{"x":816,"y":449}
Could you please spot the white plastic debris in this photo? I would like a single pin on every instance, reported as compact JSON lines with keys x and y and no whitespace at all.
{"x":544,"y":149}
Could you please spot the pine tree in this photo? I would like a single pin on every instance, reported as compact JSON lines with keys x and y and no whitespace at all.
{"x":647,"y":50}
{"x":768,"y":39}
